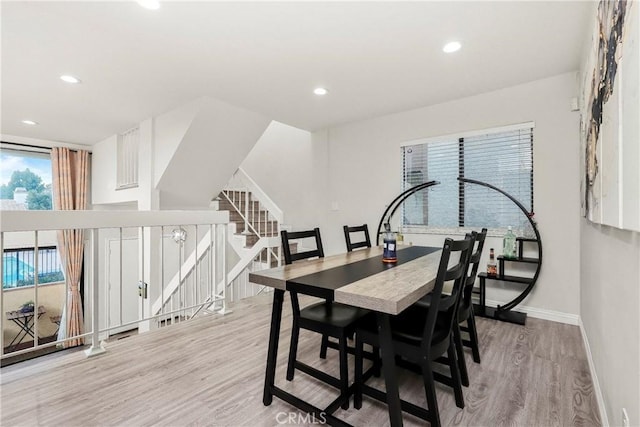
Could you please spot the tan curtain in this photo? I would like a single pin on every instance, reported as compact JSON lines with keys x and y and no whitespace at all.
{"x":70,"y":181}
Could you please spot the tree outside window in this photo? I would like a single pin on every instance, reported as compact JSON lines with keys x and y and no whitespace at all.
{"x":26,"y":179}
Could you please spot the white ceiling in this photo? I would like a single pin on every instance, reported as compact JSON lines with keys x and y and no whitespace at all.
{"x":375,"y":58}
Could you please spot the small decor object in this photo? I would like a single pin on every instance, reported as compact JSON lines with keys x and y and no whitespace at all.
{"x":509,"y":244}
{"x":389,"y":254}
{"x":27,"y":307}
{"x":492,"y":268}
{"x":179,"y":235}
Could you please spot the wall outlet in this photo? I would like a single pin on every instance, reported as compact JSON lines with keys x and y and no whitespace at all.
{"x":625,"y":418}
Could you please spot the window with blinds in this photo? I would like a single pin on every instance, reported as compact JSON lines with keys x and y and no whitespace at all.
{"x":502,"y":158}
{"x":128,"y":147}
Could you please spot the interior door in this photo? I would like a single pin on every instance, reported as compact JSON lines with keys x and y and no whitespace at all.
{"x":130,"y":300}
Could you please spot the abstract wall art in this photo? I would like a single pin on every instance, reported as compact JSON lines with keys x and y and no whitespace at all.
{"x":610,"y":119}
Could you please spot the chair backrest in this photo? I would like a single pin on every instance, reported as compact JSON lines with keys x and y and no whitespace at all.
{"x":296,"y":235}
{"x":289,"y":257}
{"x":366,"y":243}
{"x":456,"y":273}
{"x":474,"y":262}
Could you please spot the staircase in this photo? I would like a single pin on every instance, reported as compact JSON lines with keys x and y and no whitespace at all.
{"x":252,"y":221}
{"x":253,"y":233}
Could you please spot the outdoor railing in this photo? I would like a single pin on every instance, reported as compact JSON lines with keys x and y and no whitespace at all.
{"x":130,"y":257}
{"x":18,"y":268}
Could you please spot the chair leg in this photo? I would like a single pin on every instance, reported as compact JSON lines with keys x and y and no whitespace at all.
{"x":430,"y":392}
{"x":455,"y":375}
{"x":462,"y":364}
{"x":323,"y":346}
{"x":344,"y":370}
{"x":293,"y":350}
{"x":357,"y":394}
{"x":473,"y":337}
{"x":377,"y":361}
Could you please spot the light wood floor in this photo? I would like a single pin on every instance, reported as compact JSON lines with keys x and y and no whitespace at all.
{"x":210,"y":372}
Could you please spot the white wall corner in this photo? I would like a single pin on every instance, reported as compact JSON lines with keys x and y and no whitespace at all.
{"x":594,"y":377}
{"x":208,"y":144}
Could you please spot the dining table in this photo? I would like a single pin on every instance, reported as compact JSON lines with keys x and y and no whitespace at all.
{"x":24,"y":319}
{"x":360,"y":279}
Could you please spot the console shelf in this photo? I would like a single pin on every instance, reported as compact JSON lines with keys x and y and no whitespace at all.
{"x":520,"y":259}
{"x":497,"y":313}
{"x":523,"y":259}
{"x":505,"y":278}
{"x":505,"y":312}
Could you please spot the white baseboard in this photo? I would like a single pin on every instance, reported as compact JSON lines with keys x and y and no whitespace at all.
{"x":540,"y":313}
{"x":594,"y":378}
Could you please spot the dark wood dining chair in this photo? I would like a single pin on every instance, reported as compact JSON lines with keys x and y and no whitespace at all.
{"x":351,"y":245}
{"x":422,"y":336}
{"x":465,"y":312}
{"x":328,"y":318}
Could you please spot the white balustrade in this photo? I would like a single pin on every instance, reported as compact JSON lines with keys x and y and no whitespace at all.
{"x":199,"y":264}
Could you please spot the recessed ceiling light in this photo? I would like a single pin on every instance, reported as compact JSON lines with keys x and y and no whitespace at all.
{"x":451,"y":47}
{"x":69,"y":79}
{"x":320,"y":91}
{"x":29,"y":122}
{"x":149,"y":4}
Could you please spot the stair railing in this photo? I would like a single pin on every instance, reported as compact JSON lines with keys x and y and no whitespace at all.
{"x":260,"y":217}
{"x":261,"y":222}
{"x":256,"y":220}
{"x":185,"y":286}
{"x":261,"y":256}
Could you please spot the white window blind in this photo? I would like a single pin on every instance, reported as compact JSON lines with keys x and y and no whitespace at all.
{"x":128,"y":146}
{"x":502,"y":158}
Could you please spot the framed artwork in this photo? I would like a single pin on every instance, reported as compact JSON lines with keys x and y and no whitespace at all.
{"x":610,"y":120}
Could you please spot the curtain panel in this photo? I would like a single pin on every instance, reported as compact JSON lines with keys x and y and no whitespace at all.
{"x":70,"y":187}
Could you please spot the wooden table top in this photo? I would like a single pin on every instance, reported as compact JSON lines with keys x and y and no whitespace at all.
{"x":17,"y":314}
{"x":390,"y":290}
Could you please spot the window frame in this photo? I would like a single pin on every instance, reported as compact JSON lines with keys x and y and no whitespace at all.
{"x":461,"y":229}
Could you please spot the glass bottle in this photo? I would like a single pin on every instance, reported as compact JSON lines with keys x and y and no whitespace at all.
{"x":509,"y":244}
{"x":492,"y":268}
{"x":389,"y":248}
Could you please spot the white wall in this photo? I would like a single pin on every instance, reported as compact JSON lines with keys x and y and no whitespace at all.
{"x":610,"y":295}
{"x":104,"y":169}
{"x":104,"y":175}
{"x":290,"y":166}
{"x":610,"y":310}
{"x":364,"y":172}
{"x":186,"y":156}
{"x":346,"y":175}
{"x":216,"y":141}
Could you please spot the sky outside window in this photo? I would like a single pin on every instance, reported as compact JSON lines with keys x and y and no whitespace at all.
{"x":11,"y":160}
